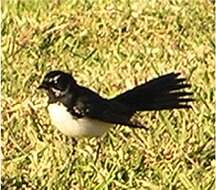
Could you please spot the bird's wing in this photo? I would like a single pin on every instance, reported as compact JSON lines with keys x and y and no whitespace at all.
{"x":103,"y":110}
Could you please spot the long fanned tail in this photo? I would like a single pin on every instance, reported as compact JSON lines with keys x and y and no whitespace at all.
{"x":164,"y":92}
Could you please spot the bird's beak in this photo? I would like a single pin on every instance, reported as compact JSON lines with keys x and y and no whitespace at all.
{"x":40,"y":86}
{"x":43,"y":86}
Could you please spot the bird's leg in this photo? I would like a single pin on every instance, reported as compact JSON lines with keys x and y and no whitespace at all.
{"x":71,"y":155}
{"x":98,"y":148}
{"x":73,"y":142}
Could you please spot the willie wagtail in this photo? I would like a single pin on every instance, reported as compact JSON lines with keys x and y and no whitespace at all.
{"x":78,"y":111}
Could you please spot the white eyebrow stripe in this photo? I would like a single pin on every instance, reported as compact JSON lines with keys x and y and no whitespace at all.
{"x":56,"y":78}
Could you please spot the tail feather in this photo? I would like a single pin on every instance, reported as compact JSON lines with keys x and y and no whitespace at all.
{"x":164,"y":92}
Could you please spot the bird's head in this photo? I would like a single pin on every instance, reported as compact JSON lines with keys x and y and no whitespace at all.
{"x":57,"y":83}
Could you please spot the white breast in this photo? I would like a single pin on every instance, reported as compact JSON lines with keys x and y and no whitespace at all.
{"x":74,"y":127}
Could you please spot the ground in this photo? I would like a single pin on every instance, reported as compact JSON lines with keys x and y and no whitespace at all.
{"x":108,"y":46}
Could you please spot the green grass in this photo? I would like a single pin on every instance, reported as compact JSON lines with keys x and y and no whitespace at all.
{"x":108,"y":46}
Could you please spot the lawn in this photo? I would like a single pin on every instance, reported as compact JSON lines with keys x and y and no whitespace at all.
{"x":108,"y":46}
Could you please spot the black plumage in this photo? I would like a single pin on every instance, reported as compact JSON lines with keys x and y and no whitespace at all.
{"x":164,"y":92}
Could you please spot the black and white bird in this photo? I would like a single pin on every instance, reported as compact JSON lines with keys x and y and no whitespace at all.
{"x":80,"y":112}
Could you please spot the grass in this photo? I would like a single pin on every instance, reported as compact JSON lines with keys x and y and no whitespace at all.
{"x":108,"y":46}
